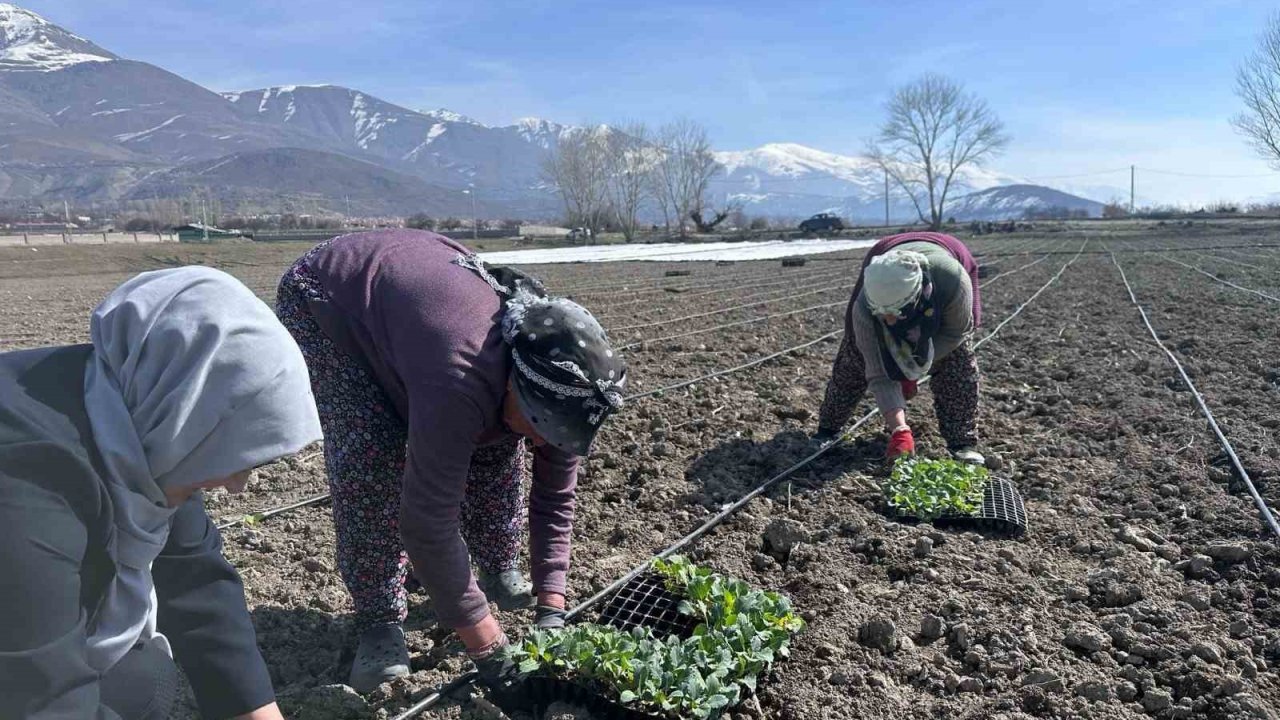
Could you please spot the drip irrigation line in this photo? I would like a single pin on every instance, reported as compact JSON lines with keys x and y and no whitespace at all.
{"x":732,"y":324}
{"x":718,"y":518}
{"x":1027,"y":302}
{"x":1248,"y":256}
{"x":727,"y":287}
{"x":318,"y":498}
{"x":722,"y":294}
{"x":731,"y":308}
{"x":1219,"y":258}
{"x":258,"y":517}
{"x":1261,"y":504}
{"x":734,"y":369}
{"x":786,"y":351}
{"x":1133,"y":250}
{"x":1272,"y":298}
{"x":657,"y":280}
{"x":425,"y":704}
{"x":697,"y":283}
{"x":737,"y":505}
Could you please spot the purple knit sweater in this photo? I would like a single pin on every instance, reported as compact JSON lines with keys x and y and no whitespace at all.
{"x":430,"y":332}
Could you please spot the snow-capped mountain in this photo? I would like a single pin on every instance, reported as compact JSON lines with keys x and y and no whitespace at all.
{"x":440,"y":146}
{"x":78,"y":122}
{"x":1015,"y":201}
{"x":786,"y":179}
{"x":28,"y":42}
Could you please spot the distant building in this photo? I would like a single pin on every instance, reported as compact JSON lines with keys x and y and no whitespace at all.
{"x":195,"y":233}
{"x":543,"y":231}
{"x":43,"y":227}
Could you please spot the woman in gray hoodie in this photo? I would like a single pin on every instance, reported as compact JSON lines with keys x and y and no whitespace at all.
{"x":112,"y":570}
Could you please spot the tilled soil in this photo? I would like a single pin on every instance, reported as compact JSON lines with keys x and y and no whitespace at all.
{"x":1145,"y":584}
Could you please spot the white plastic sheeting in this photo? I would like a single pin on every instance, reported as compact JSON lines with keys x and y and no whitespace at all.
{"x":673,"y":252}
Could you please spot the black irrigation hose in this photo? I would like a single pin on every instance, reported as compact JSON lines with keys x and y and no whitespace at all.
{"x":756,"y":298}
{"x":1220,"y":258}
{"x":429,"y":701}
{"x":731,"y":308}
{"x":713,"y":328}
{"x":734,"y":369}
{"x":728,"y":287}
{"x":1135,"y":250}
{"x":1213,"y":424}
{"x":1272,"y":298}
{"x":771,"y":482}
{"x":698,"y":283}
{"x":259,"y":517}
{"x":637,"y":396}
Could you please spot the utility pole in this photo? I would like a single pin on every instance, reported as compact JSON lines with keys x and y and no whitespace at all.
{"x":475,"y":227}
{"x":204,"y":219}
{"x":1131,"y":186}
{"x":886,"y":197}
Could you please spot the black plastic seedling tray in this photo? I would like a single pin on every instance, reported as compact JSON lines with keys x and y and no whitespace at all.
{"x":644,"y":601}
{"x":1002,"y":511}
{"x":541,"y":692}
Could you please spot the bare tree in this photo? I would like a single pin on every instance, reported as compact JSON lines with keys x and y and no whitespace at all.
{"x":934,"y":129}
{"x":1258,"y":85}
{"x":628,"y":157}
{"x":682,"y":170}
{"x":578,"y":167}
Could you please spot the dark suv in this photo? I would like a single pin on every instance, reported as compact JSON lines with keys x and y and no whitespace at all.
{"x":822,"y":221}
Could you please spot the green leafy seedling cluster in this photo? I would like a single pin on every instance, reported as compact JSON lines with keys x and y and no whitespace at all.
{"x":741,"y":632}
{"x":928,"y":489}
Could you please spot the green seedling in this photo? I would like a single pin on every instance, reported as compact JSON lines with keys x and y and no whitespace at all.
{"x":928,"y":489}
{"x":741,"y":632}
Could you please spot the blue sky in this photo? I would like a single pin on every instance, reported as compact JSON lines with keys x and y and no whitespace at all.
{"x":1082,"y":86}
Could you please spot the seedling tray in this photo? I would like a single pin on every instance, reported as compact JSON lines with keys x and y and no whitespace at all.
{"x":560,"y":667}
{"x":1002,"y":511}
{"x":646,"y":602}
{"x":542,"y":691}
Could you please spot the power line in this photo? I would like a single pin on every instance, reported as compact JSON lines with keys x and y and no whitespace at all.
{"x":1206,"y":175}
{"x":1077,"y":175}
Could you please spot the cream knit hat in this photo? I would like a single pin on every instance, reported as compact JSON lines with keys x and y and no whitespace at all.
{"x":892,"y":281}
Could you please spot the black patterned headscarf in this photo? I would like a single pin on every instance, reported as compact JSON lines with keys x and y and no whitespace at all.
{"x":566,"y":375}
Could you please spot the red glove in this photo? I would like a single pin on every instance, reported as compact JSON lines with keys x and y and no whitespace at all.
{"x":909,"y":388}
{"x":901,"y":443}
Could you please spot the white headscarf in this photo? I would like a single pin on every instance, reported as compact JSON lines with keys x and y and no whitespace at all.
{"x":893,"y":280}
{"x":193,"y":379}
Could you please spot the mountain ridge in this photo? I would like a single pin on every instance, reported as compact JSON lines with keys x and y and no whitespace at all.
{"x":78,"y":122}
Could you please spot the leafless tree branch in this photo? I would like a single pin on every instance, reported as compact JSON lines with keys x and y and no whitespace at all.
{"x":1258,"y":85}
{"x":934,"y":130}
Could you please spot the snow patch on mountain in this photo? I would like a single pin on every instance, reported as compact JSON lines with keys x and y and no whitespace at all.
{"x":145,"y":134}
{"x":444,"y":115}
{"x":28,"y":42}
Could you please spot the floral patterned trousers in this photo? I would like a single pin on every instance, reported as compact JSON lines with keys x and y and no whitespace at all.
{"x":365,"y":448}
{"x":955,"y":393}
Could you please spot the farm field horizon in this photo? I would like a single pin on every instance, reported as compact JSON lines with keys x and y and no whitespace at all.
{"x":1145,"y":585}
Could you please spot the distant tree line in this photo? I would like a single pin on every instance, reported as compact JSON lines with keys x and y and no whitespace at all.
{"x":611,"y":176}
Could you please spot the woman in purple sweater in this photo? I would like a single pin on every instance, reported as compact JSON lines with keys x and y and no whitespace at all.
{"x":431,"y":372}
